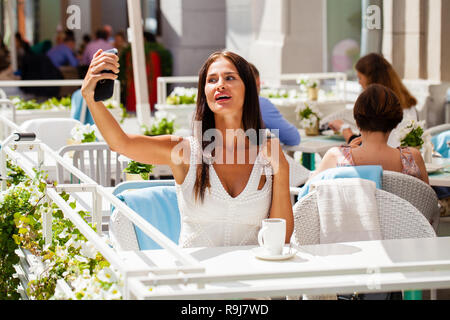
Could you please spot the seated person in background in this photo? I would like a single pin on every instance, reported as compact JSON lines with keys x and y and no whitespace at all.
{"x":273,"y":119}
{"x":63,"y":54}
{"x":374,"y":69}
{"x":377,"y":112}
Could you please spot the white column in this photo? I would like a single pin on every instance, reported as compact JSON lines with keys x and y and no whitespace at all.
{"x":138,"y":57}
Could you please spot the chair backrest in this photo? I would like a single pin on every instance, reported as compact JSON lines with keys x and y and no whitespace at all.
{"x":95,"y":160}
{"x":437,"y":129}
{"x":346,"y":115}
{"x":54,"y":132}
{"x":398,"y":219}
{"x":298,"y":174}
{"x":142,"y":199}
{"x":415,"y":191}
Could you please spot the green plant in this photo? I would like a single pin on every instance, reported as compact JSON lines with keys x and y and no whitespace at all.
{"x":22,"y":104}
{"x":135,"y":167}
{"x":83,"y":133}
{"x":411,"y":133}
{"x":308,"y":115}
{"x":182,"y":95}
{"x":160,"y":127}
{"x":69,"y":257}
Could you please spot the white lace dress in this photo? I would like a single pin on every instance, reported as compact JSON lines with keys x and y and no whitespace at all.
{"x":222,"y":220}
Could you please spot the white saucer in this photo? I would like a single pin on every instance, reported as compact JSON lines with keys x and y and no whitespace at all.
{"x":262,"y":254}
{"x":431,"y":167}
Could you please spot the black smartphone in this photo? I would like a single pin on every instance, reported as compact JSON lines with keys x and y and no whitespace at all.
{"x":105,"y":88}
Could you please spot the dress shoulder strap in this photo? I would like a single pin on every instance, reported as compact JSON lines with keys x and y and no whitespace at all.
{"x":346,"y":158}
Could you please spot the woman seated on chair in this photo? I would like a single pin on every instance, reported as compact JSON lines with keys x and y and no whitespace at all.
{"x":222,"y":199}
{"x":375,"y":69}
{"x":377,"y":112}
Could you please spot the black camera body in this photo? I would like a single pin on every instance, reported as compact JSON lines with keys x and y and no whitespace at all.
{"x":105,"y":88}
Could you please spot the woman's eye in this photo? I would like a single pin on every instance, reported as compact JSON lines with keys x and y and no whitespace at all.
{"x":211,"y":80}
{"x":230,"y":77}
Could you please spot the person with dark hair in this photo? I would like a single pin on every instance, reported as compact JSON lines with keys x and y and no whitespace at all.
{"x":120,"y":42}
{"x":100,"y":42}
{"x":374,"y":68}
{"x":273,"y":119}
{"x":64,"y":54}
{"x":225,"y":188}
{"x":377,"y":112}
{"x":4,"y":55}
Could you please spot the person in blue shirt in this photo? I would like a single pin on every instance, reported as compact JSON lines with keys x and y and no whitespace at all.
{"x":63,"y":54}
{"x":273,"y":119}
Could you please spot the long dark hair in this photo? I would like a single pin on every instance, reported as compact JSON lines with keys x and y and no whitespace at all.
{"x":379,"y":71}
{"x":251,"y":115}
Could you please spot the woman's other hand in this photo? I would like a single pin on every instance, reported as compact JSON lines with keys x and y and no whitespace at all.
{"x":336,"y":125}
{"x":100,"y":62}
{"x":355,"y":143}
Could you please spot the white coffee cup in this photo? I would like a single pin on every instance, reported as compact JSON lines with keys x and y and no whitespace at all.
{"x":272,"y":236}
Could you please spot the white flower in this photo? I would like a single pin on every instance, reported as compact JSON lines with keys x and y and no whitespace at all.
{"x":88,"y":250}
{"x":107,"y":275}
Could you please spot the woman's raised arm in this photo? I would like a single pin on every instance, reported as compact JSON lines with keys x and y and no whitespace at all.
{"x":150,"y":150}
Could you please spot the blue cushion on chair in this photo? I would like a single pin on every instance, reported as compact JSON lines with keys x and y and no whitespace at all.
{"x":373,"y":173}
{"x":77,"y":104}
{"x":440,"y":143}
{"x":159,"y":206}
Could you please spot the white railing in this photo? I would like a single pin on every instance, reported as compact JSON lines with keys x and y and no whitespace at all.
{"x":51,"y":83}
{"x":340,"y":78}
{"x":164,"y":81}
{"x":14,"y":149}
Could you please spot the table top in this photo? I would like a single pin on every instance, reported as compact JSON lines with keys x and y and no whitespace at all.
{"x":234,"y":272}
{"x":316,"y":144}
{"x":440,"y":178}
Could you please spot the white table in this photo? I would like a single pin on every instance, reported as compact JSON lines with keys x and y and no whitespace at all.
{"x":233,"y":272}
{"x":440,"y":178}
{"x":310,"y":145}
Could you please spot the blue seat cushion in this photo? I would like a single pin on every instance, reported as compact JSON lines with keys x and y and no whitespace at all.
{"x":373,"y":173}
{"x":159,"y":206}
{"x":440,"y":143}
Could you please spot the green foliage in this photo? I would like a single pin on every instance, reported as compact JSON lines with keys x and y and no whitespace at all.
{"x":89,"y":137}
{"x":139,"y":168}
{"x":161,"y":127}
{"x":51,"y":103}
{"x":413,"y":139}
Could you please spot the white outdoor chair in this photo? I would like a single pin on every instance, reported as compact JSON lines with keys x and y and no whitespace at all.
{"x":346,"y":115}
{"x":416,"y":192}
{"x":398,"y":220}
{"x":437,"y":129}
{"x":298,"y":175}
{"x":54,"y":132}
{"x":102,"y":165}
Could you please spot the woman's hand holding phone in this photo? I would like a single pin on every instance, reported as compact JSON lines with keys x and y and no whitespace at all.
{"x":98,"y":71}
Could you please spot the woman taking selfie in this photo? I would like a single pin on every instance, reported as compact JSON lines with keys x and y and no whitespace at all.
{"x":221,"y":202}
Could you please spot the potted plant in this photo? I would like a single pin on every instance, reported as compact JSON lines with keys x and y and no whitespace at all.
{"x":411,"y":134}
{"x":312,"y":88}
{"x":309,"y":118}
{"x":82,"y":134}
{"x":182,"y":96}
{"x":138,"y":171}
{"x":163,"y":124}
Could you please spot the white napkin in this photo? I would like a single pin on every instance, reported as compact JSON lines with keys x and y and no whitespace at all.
{"x":347,"y":210}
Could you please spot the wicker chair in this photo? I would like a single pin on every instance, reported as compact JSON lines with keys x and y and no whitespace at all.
{"x":416,"y":192}
{"x":398,"y":220}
